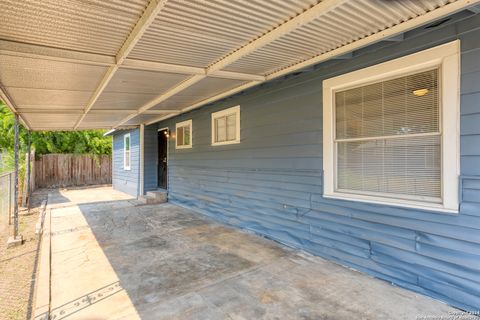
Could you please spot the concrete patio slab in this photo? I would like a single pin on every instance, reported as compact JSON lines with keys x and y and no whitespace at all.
{"x":114,"y":259}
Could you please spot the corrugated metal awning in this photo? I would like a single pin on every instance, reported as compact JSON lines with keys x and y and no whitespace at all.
{"x":79,"y":64}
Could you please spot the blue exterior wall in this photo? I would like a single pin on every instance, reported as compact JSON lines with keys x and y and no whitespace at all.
{"x":126,"y":180}
{"x":151,"y":155}
{"x":271,"y":183}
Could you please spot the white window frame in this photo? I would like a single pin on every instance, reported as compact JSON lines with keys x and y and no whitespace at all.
{"x":219,"y":114}
{"x":125,"y":167}
{"x":187,"y":123}
{"x":447,"y":58}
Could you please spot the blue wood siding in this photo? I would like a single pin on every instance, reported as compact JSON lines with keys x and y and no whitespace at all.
{"x":151,"y":155}
{"x":271,"y":183}
{"x":126,"y":180}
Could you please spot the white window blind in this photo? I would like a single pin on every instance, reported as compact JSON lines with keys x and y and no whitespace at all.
{"x":225,"y":128}
{"x":388,"y":138}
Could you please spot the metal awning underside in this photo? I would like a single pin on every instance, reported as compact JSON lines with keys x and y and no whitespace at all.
{"x":82,"y":64}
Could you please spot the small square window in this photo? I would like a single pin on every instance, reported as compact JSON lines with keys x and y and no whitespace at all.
{"x":184,"y":134}
{"x":226,"y":126}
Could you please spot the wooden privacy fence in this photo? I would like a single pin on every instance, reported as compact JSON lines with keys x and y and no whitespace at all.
{"x":62,"y":170}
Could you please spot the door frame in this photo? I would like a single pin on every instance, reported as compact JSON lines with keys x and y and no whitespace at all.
{"x":168,"y":152}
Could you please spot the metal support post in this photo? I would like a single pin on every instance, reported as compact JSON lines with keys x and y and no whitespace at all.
{"x":15,"y":198}
{"x":16,"y":239}
{"x":28,"y":169}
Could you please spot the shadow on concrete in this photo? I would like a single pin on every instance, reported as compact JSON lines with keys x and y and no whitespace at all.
{"x":157,"y":254}
{"x":55,"y":197}
{"x":161,"y":252}
{"x":118,"y":259}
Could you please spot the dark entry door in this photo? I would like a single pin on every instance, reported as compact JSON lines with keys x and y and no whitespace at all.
{"x":162,"y":159}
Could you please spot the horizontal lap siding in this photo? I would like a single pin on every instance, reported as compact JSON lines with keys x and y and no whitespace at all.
{"x":271,"y":182}
{"x":151,"y":153}
{"x":126,"y":180}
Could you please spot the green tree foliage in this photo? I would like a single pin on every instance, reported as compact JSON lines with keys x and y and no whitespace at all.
{"x":81,"y":142}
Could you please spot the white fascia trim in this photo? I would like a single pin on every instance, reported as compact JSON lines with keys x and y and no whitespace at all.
{"x":447,"y":57}
{"x":233,"y":110}
{"x":187,"y":123}
{"x":110,"y":132}
{"x":125,"y":167}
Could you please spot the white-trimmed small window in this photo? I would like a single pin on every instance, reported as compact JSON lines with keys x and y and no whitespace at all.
{"x":184,"y":134}
{"x":391,"y":132}
{"x":226,"y":126}
{"x":127,"y":157}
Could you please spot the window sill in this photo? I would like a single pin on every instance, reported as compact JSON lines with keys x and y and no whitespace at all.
{"x":406,"y":204}
{"x":183,"y":147}
{"x":225,"y":143}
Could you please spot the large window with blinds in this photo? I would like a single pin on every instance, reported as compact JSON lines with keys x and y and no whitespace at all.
{"x":387,"y":136}
{"x":391,"y":136}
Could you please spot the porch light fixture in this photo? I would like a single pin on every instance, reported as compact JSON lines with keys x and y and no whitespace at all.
{"x":420,"y":92}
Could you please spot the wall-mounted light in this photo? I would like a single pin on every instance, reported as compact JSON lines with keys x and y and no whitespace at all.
{"x":166,"y":133}
{"x":420,"y":92}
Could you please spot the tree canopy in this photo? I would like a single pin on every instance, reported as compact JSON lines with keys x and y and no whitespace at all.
{"x":80,"y":142}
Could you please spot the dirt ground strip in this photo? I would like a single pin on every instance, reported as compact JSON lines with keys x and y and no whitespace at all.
{"x":18,"y":264}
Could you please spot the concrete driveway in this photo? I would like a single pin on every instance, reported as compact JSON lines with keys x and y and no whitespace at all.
{"x":112,"y":258}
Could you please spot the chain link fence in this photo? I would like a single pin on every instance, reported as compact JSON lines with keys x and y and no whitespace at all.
{"x":7,"y":186}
